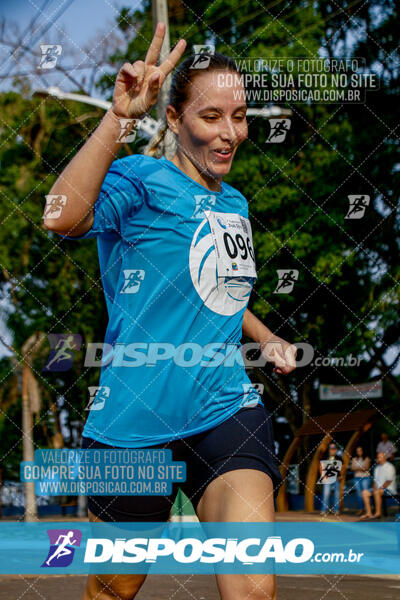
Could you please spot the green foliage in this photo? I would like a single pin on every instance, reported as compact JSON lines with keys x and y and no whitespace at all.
{"x":53,"y":285}
{"x":11,"y":441}
{"x":346,"y":299}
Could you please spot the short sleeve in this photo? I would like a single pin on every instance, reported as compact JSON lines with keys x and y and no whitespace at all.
{"x":121,"y":196}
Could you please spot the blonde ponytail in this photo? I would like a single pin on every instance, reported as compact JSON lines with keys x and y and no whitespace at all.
{"x":155,"y":147}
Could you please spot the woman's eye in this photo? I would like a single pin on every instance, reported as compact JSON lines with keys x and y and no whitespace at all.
{"x":215,"y":118}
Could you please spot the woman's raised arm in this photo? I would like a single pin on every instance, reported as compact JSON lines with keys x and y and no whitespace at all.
{"x":136,"y":91}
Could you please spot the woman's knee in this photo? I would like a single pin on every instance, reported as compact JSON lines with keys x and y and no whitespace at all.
{"x":263,"y":590}
{"x":112,"y":587}
{"x":250,"y":587}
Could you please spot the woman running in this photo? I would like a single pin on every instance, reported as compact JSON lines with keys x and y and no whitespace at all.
{"x":177,"y":268}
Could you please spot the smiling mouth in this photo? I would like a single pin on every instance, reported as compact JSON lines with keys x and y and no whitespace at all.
{"x":223,"y":153}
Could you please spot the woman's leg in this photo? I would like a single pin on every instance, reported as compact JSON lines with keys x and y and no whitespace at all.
{"x":242,"y":495}
{"x":367,"y":502}
{"x":366,"y":483}
{"x":111,"y":587}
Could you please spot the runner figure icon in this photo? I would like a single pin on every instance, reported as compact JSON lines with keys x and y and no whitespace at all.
{"x":358,"y":204}
{"x":64,"y":348}
{"x":62,"y":549}
{"x":330,"y":471}
{"x":278,"y":130}
{"x":287,"y":279}
{"x":133,"y":279}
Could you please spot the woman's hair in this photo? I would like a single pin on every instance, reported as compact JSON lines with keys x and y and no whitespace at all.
{"x":180,"y":90}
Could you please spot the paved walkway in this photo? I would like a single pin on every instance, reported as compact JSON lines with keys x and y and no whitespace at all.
{"x":203,"y":587}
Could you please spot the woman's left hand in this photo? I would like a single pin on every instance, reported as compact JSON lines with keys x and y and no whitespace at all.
{"x":280,"y":353}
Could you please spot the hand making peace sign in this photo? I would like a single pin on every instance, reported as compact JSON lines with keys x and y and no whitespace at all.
{"x":137,"y":86}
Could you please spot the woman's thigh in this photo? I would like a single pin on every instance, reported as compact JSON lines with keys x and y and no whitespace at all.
{"x":244,"y":442}
{"x":135,"y":508}
{"x":233,"y":476}
{"x":365,"y":483}
{"x":124,"y":587}
{"x":357,"y":485}
{"x":237,"y":496}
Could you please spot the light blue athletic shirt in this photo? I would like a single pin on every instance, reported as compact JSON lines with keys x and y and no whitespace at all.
{"x":158,"y":268}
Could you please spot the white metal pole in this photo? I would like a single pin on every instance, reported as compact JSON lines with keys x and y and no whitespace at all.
{"x":160,"y":15}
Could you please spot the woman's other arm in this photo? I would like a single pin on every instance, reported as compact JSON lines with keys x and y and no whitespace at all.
{"x":273,"y":348}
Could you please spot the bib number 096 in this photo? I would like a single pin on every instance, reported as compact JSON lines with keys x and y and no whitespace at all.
{"x":232,"y":246}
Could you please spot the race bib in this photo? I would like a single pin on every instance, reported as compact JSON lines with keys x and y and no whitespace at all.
{"x":233,"y":244}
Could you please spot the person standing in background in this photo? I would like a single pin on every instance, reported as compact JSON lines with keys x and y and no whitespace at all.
{"x":386,"y":446}
{"x":329,"y":488}
{"x":360,"y":466}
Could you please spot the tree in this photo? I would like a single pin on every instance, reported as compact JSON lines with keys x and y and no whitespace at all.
{"x":345,"y":301}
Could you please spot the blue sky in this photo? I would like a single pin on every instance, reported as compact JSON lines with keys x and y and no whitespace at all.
{"x":82,"y":21}
{"x":82,"y":18}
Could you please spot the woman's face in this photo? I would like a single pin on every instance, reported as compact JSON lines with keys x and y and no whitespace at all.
{"x":359,"y":451}
{"x":213,"y":123}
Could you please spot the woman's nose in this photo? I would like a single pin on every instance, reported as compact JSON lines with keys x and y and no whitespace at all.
{"x":228,"y":130}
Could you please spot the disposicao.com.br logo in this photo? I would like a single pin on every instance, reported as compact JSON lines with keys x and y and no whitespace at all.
{"x":62,"y":547}
{"x":201,"y":548}
{"x":212,"y":550}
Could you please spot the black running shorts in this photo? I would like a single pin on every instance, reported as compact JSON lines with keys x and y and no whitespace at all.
{"x":244,"y":441}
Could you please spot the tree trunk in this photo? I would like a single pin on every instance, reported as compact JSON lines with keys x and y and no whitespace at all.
{"x":29,"y":391}
{"x":82,"y":506}
{"x":28,"y":448}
